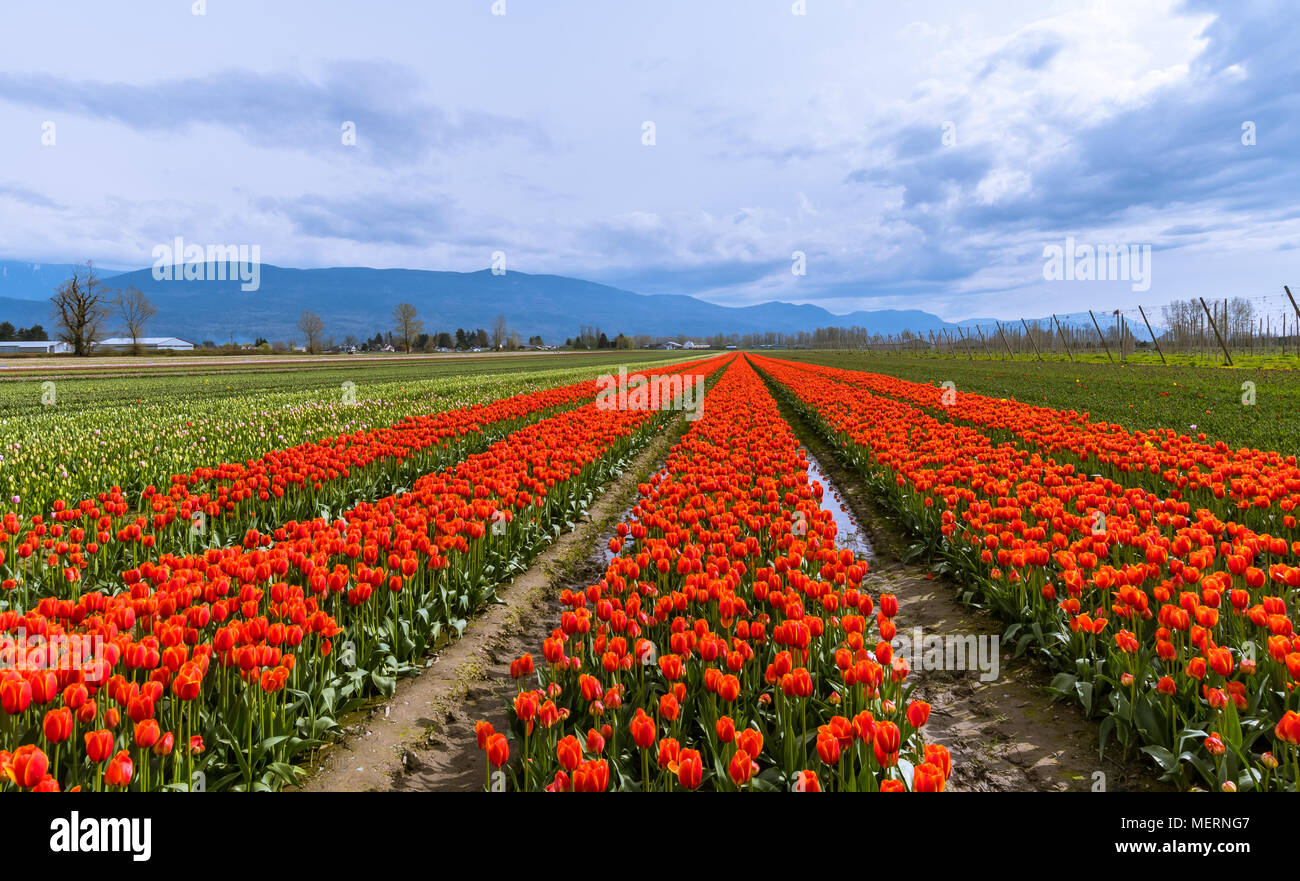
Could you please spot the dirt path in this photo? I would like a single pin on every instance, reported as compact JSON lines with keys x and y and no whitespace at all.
{"x":423,"y":737}
{"x":1006,"y":734}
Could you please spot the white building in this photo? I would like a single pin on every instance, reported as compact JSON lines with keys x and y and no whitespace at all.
{"x":50,"y":347}
{"x":148,"y":343}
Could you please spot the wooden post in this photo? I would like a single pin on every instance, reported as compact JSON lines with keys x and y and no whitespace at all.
{"x":1153,"y":336}
{"x":982,"y":340}
{"x":1031,"y":340}
{"x":1101,"y":336}
{"x":970,"y":356}
{"x":1064,"y":341}
{"x":1292,"y":299}
{"x":1215,"y":327}
{"x":1004,"y":339}
{"x":948,"y":338}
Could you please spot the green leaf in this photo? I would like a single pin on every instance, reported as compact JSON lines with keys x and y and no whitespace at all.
{"x":1166,"y":759}
{"x":1103,"y":735}
{"x":1084,"y":691}
{"x":1063,"y":684}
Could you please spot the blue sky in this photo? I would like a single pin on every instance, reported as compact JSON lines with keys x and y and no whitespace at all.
{"x":1108,"y":122}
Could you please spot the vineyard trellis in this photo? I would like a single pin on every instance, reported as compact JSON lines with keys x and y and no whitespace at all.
{"x":1221,"y":329}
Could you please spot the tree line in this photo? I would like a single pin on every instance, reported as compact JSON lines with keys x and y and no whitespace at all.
{"x":9,"y":333}
{"x":407,"y":335}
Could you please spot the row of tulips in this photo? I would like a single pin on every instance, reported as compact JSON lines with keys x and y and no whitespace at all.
{"x":215,"y":670}
{"x":70,"y":437}
{"x":729,"y":646}
{"x":1175,"y":627}
{"x":1255,"y":488}
{"x":75,"y":545}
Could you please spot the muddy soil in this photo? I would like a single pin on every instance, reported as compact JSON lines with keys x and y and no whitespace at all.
{"x":422,"y":739}
{"x":1006,"y":734}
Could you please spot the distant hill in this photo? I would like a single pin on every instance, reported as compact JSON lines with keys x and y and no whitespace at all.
{"x":360,"y":301}
{"x":25,"y":313}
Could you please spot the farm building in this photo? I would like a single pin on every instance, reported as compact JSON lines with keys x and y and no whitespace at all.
{"x":16,"y":347}
{"x":148,"y":343}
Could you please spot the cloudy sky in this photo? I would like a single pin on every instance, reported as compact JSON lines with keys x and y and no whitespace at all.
{"x":921,"y":155}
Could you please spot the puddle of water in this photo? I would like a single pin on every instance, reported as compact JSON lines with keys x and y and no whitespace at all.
{"x":606,"y":555}
{"x":848,"y":534}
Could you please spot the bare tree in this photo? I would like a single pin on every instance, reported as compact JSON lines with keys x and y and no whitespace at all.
{"x":136,"y":310}
{"x":311,"y":326}
{"x":500,"y":332}
{"x":80,"y":308}
{"x":406,"y":325}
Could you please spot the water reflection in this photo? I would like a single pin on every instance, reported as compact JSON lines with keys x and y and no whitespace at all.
{"x":848,"y":534}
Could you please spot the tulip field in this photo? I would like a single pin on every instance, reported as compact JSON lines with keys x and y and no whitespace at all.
{"x":728,"y":645}
{"x":200,"y":576}
{"x":185,"y":636}
{"x":1155,"y":571}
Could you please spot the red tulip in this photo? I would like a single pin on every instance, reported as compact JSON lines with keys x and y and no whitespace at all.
{"x":27,"y":766}
{"x":918,"y":713}
{"x":690,"y":769}
{"x":938,"y":756}
{"x":15,"y":695}
{"x":569,"y":752}
{"x":741,"y":768}
{"x":58,"y":725}
{"x":642,"y":729}
{"x":886,"y":744}
{"x":591,"y":776}
{"x":927,"y":778}
{"x":119,"y":770}
{"x":147,"y":733}
{"x":498,"y":750}
{"x":828,"y":747}
{"x":99,"y":745}
{"x":164,"y":745}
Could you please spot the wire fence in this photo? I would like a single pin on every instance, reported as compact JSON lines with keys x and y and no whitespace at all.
{"x":1222,"y":330}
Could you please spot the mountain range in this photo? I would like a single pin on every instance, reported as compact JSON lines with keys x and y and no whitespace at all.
{"x":359,"y":301}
